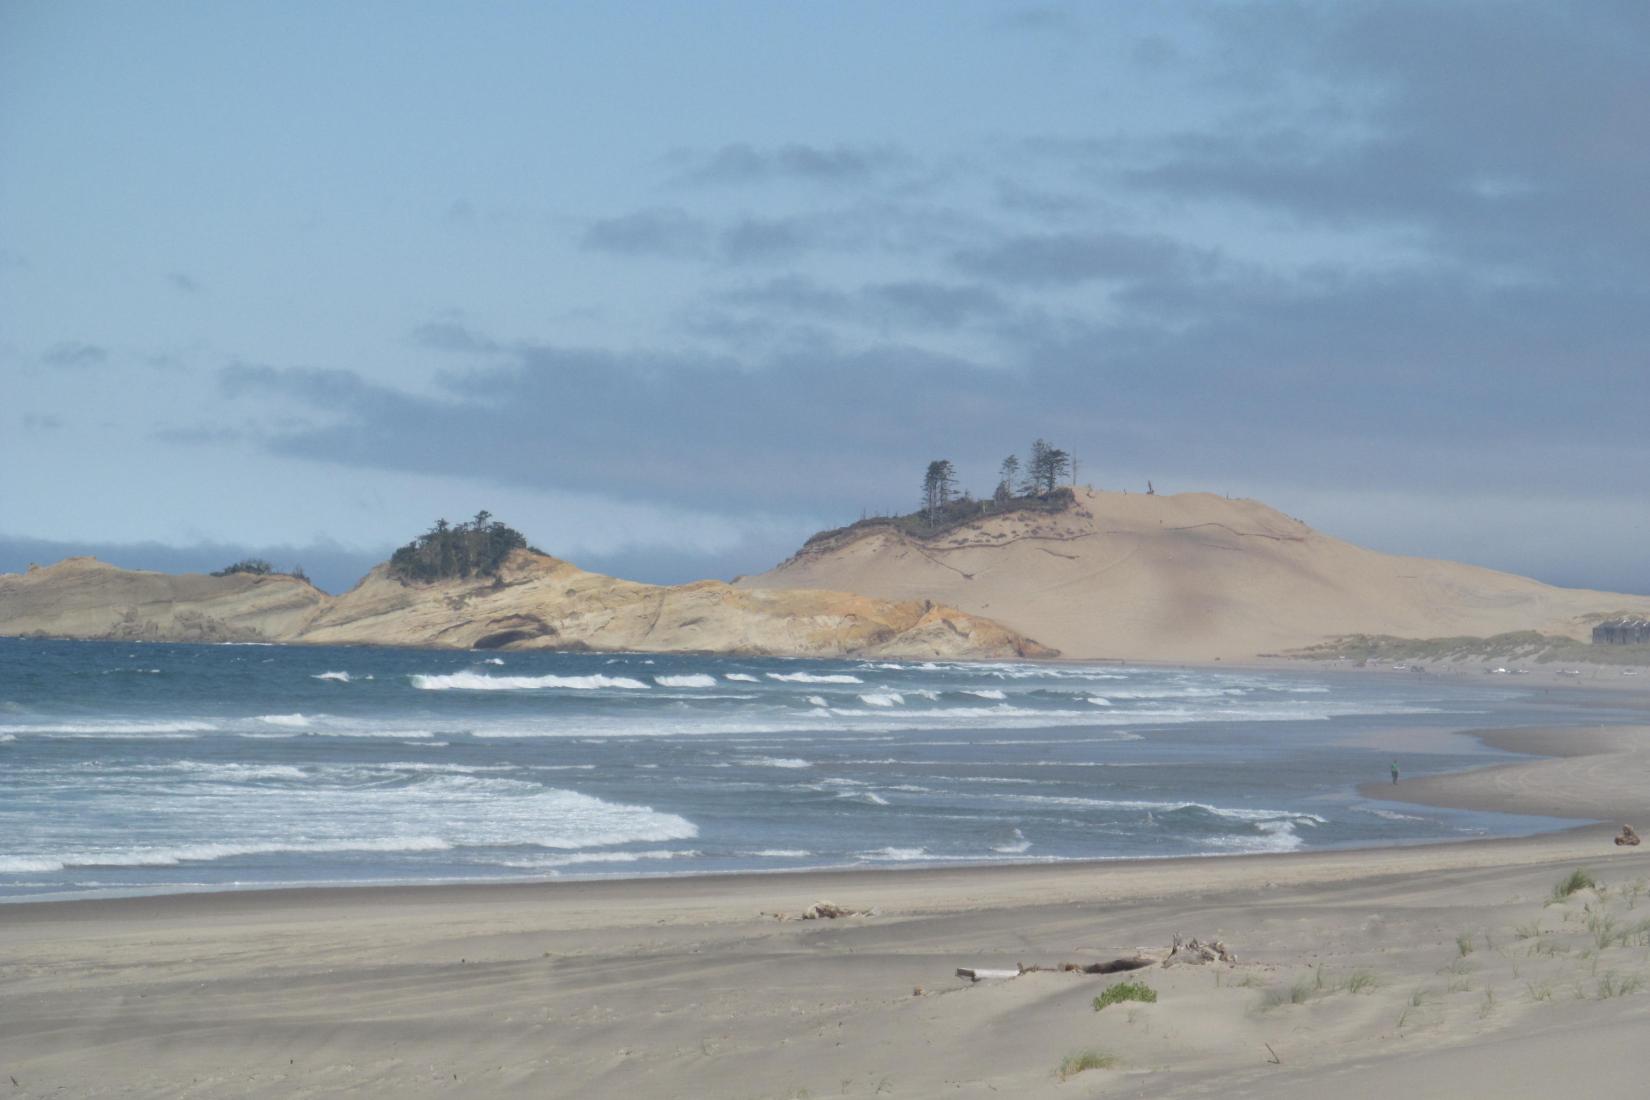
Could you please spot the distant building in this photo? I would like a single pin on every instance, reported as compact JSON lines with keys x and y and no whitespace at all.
{"x":1622,"y":632}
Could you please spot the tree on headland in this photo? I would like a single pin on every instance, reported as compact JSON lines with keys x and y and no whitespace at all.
{"x":937,"y":486}
{"x":1048,"y":465}
{"x":471,"y":549}
{"x":1008,"y":476}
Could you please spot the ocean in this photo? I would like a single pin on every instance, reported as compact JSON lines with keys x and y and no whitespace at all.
{"x":145,"y":768}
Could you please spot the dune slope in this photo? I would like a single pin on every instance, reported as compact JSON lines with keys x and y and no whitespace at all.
{"x":1186,"y":577}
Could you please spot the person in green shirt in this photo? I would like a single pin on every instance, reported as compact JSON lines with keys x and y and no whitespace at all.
{"x":1395,"y":772}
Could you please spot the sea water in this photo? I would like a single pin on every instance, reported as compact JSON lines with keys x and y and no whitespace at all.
{"x":132,"y":768}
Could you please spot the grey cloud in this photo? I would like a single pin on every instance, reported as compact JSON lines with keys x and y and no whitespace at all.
{"x":917,"y":303}
{"x":453,"y":336}
{"x":75,"y":353}
{"x":183,"y":283}
{"x":1041,"y":19}
{"x":1067,"y":258}
{"x":41,"y":422}
{"x":662,"y":231}
{"x":741,"y":163}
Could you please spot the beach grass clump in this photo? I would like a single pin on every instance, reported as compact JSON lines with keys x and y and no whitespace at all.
{"x":1618,"y":985}
{"x":1296,"y":993}
{"x":1528,"y":931}
{"x":1579,"y":879}
{"x":1540,"y":991}
{"x":1602,"y":927}
{"x":1087,"y":1060}
{"x":1126,"y":991}
{"x":1464,"y":944}
{"x":1361,"y":981}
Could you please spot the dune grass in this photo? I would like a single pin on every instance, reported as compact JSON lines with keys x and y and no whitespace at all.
{"x":1087,"y":1060}
{"x":1579,"y":879}
{"x":1126,"y":991}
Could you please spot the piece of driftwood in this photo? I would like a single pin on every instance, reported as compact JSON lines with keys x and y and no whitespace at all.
{"x":1628,"y":836}
{"x":1197,"y":952}
{"x":824,"y":910}
{"x":980,"y":973}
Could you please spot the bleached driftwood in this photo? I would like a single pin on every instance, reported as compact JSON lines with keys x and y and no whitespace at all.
{"x":1197,"y":952}
{"x":1628,"y":836}
{"x":980,"y":973}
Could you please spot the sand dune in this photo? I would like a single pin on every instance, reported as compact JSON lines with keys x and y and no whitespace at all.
{"x":1186,"y":577}
{"x":535,"y":602}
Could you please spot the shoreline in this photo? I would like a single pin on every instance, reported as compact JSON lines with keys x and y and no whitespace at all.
{"x":1494,"y":787}
{"x":1434,"y":970}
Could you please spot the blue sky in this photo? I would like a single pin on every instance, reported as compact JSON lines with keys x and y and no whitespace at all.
{"x":670,"y":286}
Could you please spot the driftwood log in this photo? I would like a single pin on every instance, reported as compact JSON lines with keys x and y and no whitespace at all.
{"x":1628,"y":836}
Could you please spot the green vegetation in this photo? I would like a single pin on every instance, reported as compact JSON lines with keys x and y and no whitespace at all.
{"x":1464,"y":944}
{"x":258,"y":567}
{"x":1361,"y":981}
{"x":1126,"y":991}
{"x":474,"y":549}
{"x":1579,"y":879}
{"x":1520,"y":645}
{"x":1297,"y":994}
{"x":1089,"y":1059}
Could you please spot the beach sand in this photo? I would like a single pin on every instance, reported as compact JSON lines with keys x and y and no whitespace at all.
{"x":1436,"y":971}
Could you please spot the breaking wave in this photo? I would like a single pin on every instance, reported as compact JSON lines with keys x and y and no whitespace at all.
{"x":476,"y":681}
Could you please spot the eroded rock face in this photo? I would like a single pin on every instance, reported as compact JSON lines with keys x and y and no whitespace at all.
{"x":535,"y":602}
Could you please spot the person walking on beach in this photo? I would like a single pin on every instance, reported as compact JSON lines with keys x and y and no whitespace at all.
{"x":1395,"y":772}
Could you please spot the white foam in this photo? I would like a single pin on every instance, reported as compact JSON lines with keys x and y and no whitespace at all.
{"x":116,"y":729}
{"x":815,"y":678}
{"x":986,"y":693}
{"x":883,"y":699}
{"x":493,"y":661}
{"x":235,"y":773}
{"x":1099,"y":701}
{"x":871,"y":797}
{"x":817,"y":701}
{"x":894,"y":854}
{"x":545,"y":862}
{"x":287,"y":721}
{"x":742,"y":677}
{"x":475,"y":681}
{"x":691,"y":680}
{"x":1013,"y":847}
{"x":341,"y":677}
{"x":774,"y":762}
{"x":780,"y":853}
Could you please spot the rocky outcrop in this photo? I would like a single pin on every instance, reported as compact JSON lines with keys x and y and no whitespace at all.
{"x":534,"y":602}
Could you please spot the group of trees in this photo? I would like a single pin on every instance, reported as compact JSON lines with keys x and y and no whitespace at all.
{"x":258,"y":567}
{"x":1039,"y":477}
{"x":471,"y":549}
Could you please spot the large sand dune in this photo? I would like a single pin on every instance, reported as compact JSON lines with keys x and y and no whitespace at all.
{"x":1188,"y":577}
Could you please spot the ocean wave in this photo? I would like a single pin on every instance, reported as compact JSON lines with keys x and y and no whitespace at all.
{"x":883,"y":699}
{"x":493,"y":661}
{"x":773,"y":762}
{"x":871,"y":798}
{"x":287,"y":721}
{"x":815,"y":678}
{"x":227,"y":771}
{"x":340,"y":677}
{"x":741,"y":677}
{"x":161,"y":730}
{"x":817,"y":701}
{"x":577,"y":858}
{"x":779,"y":853}
{"x":690,"y":680}
{"x":1013,"y":846}
{"x":475,"y":681}
{"x":985,"y":693}
{"x":893,"y":854}
{"x":160,"y":856}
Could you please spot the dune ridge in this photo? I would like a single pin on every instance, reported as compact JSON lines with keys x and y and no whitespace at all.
{"x":1192,"y":576}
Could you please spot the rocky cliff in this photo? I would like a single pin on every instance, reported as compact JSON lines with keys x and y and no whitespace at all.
{"x":534,"y":602}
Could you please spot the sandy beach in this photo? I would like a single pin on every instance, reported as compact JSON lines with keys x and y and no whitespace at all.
{"x":1444,"y":970}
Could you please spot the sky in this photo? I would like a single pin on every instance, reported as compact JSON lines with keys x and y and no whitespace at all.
{"x":671,"y":286}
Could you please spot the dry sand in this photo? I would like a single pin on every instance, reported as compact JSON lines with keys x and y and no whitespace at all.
{"x":1439,"y":971}
{"x":1187,"y":577}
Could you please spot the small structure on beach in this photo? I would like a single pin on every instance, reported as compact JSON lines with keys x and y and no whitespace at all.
{"x":1623,"y":631}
